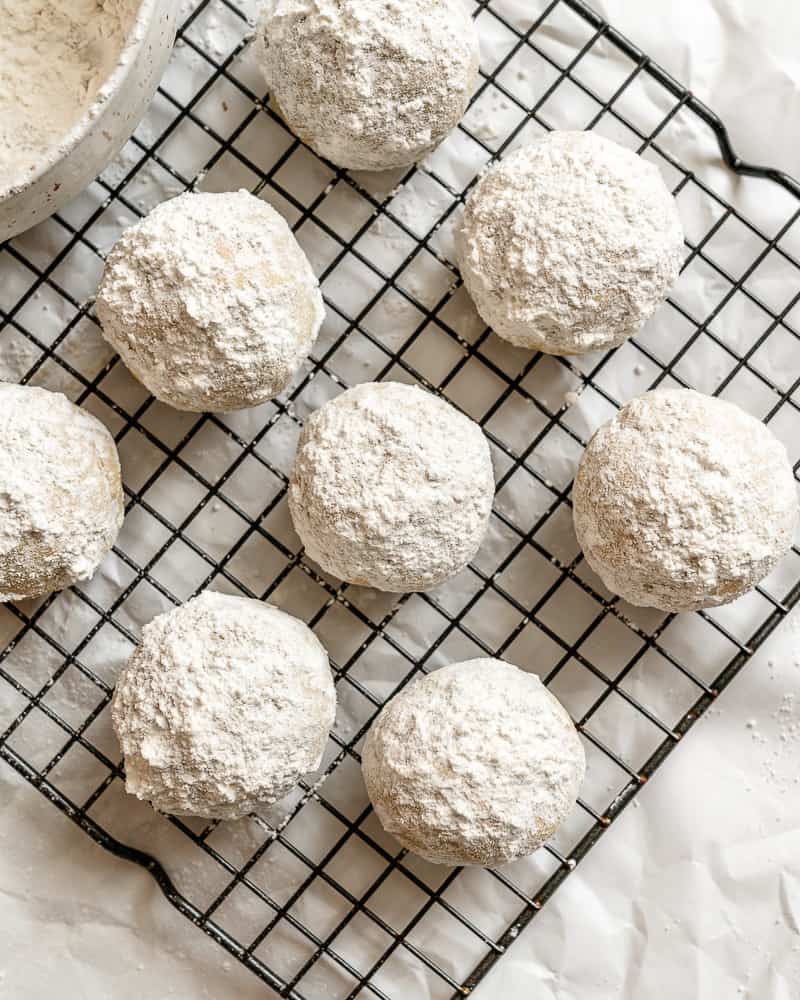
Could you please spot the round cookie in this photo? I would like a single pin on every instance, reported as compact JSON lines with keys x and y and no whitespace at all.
{"x":392,"y":487}
{"x":684,"y":501}
{"x":570,"y":244}
{"x":475,"y":764}
{"x":369,"y":84}
{"x":223,"y":706}
{"x":210,"y":302}
{"x":61,"y":502}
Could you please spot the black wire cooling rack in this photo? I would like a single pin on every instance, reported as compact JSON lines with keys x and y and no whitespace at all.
{"x":313,"y":897}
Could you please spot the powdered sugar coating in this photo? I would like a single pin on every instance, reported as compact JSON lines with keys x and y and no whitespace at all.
{"x":369,"y":84}
{"x":684,"y":501}
{"x":223,"y":706}
{"x":392,"y":487}
{"x":61,"y":502}
{"x":475,"y":764}
{"x":210,"y":302}
{"x":570,"y":244}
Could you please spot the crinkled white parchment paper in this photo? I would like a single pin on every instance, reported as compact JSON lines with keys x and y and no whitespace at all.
{"x":695,"y":892}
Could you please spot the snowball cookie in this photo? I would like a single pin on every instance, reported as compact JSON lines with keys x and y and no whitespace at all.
{"x":369,"y":84}
{"x":61,"y":504}
{"x":223,"y":706}
{"x":683,"y":501}
{"x":392,"y":487}
{"x":475,"y":764}
{"x":570,"y":245}
{"x":210,"y":302}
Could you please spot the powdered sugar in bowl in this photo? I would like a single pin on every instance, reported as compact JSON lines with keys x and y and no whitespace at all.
{"x":76,"y":76}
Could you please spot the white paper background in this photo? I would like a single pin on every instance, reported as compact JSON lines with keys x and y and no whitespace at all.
{"x":693,"y":893}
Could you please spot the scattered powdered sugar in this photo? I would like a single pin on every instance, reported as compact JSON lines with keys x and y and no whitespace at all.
{"x":392,"y":487}
{"x":223,"y":706}
{"x":211,"y":302}
{"x":570,"y":244}
{"x":476,"y":764}
{"x":61,"y":502}
{"x":369,"y":84}
{"x":684,"y":501}
{"x":54,"y":58}
{"x":778,"y":737}
{"x":779,"y":744}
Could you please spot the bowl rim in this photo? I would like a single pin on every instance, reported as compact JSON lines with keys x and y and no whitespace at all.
{"x":70,"y":140}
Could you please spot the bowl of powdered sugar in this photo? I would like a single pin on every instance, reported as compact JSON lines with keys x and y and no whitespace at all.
{"x":75,"y":79}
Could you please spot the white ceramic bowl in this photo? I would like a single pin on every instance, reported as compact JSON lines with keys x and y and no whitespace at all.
{"x":103,"y":130}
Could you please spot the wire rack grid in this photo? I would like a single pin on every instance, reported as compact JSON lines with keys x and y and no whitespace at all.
{"x":311,"y":895}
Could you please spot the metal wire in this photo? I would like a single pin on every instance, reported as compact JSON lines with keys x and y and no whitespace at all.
{"x":574,"y":646}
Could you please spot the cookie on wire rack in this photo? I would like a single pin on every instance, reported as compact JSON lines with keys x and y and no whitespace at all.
{"x":684,"y":501}
{"x":392,"y":487}
{"x":570,"y":244}
{"x":223,"y":706}
{"x":61,"y":500}
{"x":210,"y":302}
{"x":474,"y":764}
{"x":369,"y":84}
